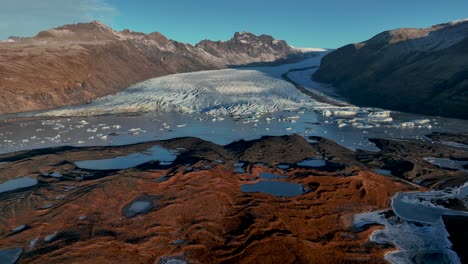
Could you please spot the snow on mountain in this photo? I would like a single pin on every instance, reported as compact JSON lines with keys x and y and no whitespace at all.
{"x":241,"y":91}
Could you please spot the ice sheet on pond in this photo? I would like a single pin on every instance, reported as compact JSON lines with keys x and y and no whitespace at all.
{"x":129,"y":161}
{"x":416,"y":228}
{"x":276,"y":188}
{"x":270,"y":176}
{"x":10,"y":256}
{"x":447,"y":163}
{"x":315,"y":162}
{"x":18,"y":183}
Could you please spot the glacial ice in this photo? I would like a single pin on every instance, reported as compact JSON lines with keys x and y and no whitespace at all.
{"x":417,"y":227}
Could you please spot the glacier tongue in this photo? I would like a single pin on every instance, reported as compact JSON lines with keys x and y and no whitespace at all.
{"x":241,"y":91}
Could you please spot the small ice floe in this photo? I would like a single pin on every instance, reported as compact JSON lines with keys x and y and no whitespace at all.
{"x":84,"y":122}
{"x":10,"y":256}
{"x":105,"y":127}
{"x":289,"y":128}
{"x":380,"y":117}
{"x":116,"y":126}
{"x":407,"y":125}
{"x":18,"y":183}
{"x":182,"y":125}
{"x":342,"y":125}
{"x":420,"y":122}
{"x":80,"y":142}
{"x":91,"y":130}
{"x":51,"y":237}
{"x":327,"y":113}
{"x":129,"y":161}
{"x":312,"y":163}
{"x":344,"y":113}
{"x":140,"y":205}
{"x":104,"y":137}
{"x":135,"y":131}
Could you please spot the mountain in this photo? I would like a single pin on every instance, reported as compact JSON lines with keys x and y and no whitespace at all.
{"x":414,"y":70}
{"x":76,"y":63}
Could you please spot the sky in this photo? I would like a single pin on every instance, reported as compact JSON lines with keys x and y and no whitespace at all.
{"x":302,"y":23}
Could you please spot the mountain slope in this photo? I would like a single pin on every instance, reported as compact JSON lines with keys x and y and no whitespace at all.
{"x":415,"y":70}
{"x":74,"y":64}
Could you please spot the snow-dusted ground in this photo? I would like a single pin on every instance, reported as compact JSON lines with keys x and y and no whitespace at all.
{"x":418,"y":227}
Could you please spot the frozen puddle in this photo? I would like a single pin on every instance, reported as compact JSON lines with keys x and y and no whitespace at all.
{"x":141,"y":205}
{"x":271,"y":176}
{"x":447,"y":163}
{"x":314,"y":163}
{"x":383,"y":172}
{"x":239,"y":167}
{"x":272,"y":187}
{"x":163,"y":155}
{"x":18,"y":183}
{"x":10,"y":256}
{"x":422,"y":206}
{"x":416,"y":228}
{"x":275,"y":188}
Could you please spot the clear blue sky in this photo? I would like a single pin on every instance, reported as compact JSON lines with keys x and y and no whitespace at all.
{"x":303,"y":23}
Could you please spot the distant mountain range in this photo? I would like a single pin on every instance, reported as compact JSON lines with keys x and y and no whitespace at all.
{"x":415,"y":70}
{"x":76,"y":63}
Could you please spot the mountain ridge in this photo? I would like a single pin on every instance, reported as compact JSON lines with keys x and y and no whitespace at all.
{"x":413,"y":70}
{"x":75,"y":63}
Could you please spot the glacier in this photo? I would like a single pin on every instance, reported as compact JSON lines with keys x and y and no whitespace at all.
{"x":239,"y":91}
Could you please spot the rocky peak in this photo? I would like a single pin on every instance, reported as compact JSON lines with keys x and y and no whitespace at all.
{"x":92,"y":31}
{"x":437,"y":37}
{"x":247,"y":43}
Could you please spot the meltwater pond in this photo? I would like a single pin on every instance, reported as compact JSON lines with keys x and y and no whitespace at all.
{"x":312,"y":163}
{"x":276,"y":188}
{"x":129,"y":161}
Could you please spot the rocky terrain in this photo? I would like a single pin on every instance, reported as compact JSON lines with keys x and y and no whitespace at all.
{"x":74,"y":64}
{"x":201,"y":205}
{"x":413,"y":70}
